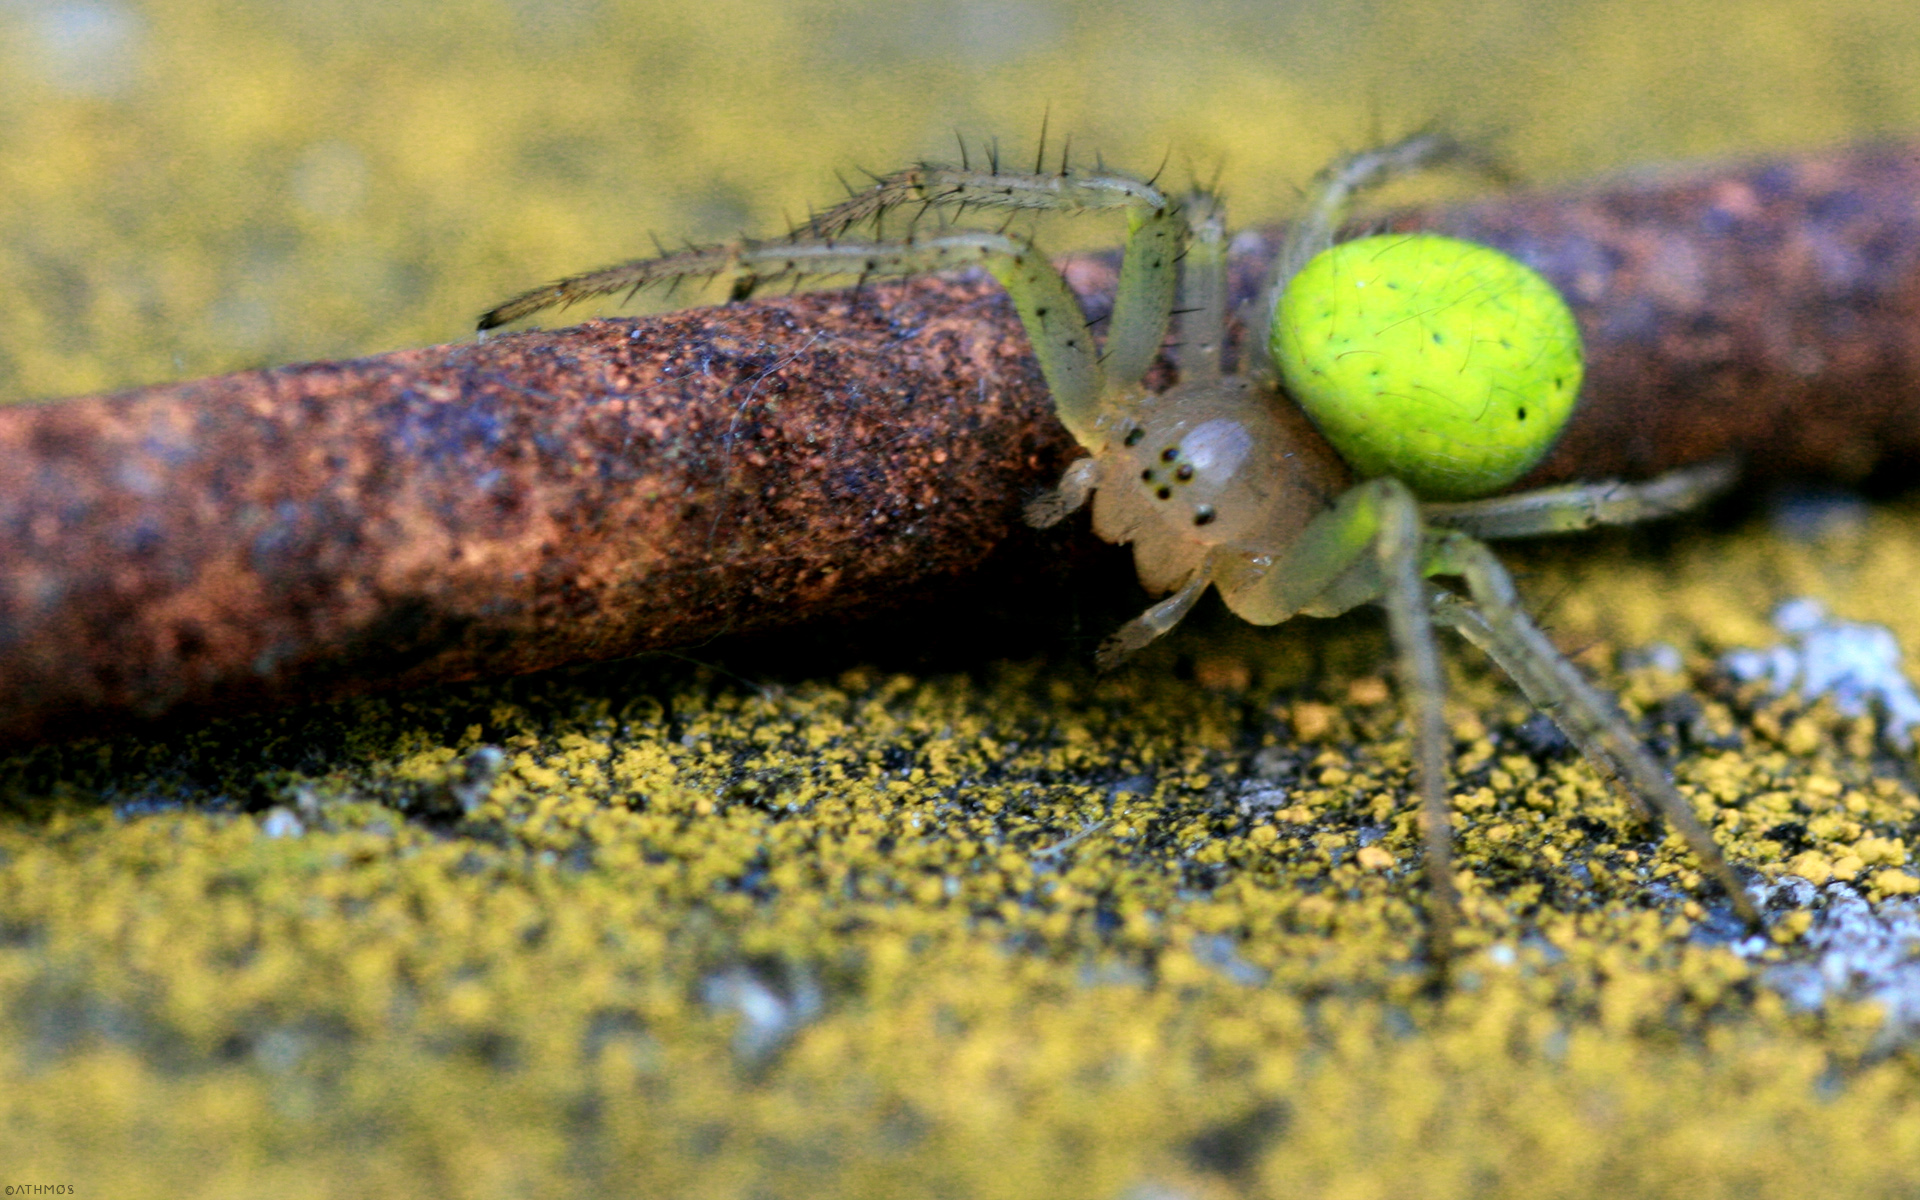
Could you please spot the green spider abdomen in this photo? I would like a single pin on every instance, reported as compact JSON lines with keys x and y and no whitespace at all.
{"x":1444,"y":364}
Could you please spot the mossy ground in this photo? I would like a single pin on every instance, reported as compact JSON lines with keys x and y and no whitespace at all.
{"x":999,"y":928}
{"x":1018,"y":931}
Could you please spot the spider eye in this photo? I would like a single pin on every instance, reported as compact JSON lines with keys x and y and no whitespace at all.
{"x":1134,"y":435}
{"x":1197,"y":474}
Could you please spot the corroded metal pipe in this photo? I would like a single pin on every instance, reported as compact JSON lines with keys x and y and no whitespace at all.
{"x":458,"y":511}
{"x":1772,"y":308}
{"x":309,"y":532}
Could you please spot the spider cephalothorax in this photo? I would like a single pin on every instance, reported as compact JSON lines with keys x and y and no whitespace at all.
{"x":1391,"y":388}
{"x":1208,"y":463}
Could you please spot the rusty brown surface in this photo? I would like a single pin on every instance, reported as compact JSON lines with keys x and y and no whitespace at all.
{"x":461,"y":511}
{"x":468,"y":510}
{"x":1772,"y":308}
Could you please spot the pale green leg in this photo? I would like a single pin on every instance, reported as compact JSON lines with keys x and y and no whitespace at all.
{"x":1399,"y":549}
{"x":1057,"y":327}
{"x":1047,"y":307}
{"x":1135,"y":634}
{"x":1082,"y":390}
{"x":1350,"y":177}
{"x":1494,"y":621}
{"x":1070,"y":189}
{"x":1584,"y":505}
{"x":1329,"y":558}
{"x":1370,"y":546}
{"x":1331,"y":552}
{"x":1327,"y":572}
{"x":1156,"y":238}
{"x":753,"y":264}
{"x":1324,"y":572}
{"x":1330,"y":203}
{"x":1053,"y":506}
{"x":1086,"y":388}
{"x":1203,"y":291}
{"x":1143,"y":301}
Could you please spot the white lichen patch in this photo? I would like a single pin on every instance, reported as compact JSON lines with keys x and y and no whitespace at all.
{"x":1857,"y":664}
{"x":1852,"y":949}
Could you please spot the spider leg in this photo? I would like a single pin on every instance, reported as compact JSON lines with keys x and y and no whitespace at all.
{"x":1157,"y":232}
{"x":1583,"y":505}
{"x":1494,"y":622}
{"x":1325,"y":571}
{"x":1071,"y":189}
{"x":1399,"y":549}
{"x":1083,"y":389}
{"x":1203,"y":290}
{"x":1048,"y":309}
{"x":1372,"y":546}
{"x":1350,"y":177}
{"x":695,"y":260}
{"x":1137,"y":633}
{"x":1052,"y":507}
{"x":1143,"y":300}
{"x":1332,"y":199}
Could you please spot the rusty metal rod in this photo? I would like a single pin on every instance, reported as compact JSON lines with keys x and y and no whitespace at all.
{"x":311,"y":532}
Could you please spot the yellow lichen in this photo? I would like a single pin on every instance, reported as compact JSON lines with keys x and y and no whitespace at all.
{"x":1017,"y":931}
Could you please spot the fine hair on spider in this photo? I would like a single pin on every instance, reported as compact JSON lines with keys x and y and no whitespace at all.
{"x":1392,"y":388}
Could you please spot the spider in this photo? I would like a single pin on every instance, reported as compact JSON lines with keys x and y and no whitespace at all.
{"x":1358,"y":453}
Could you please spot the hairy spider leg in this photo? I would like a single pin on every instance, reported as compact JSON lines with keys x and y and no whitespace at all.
{"x":1201,"y":353}
{"x":934,"y":185}
{"x":1577,"y":506}
{"x":1493,"y":621}
{"x":1157,"y":230}
{"x":1162,"y":617}
{"x":1143,"y":303}
{"x":1176,"y":248}
{"x":1398,"y":549}
{"x":1329,"y":571}
{"x":1371,"y":547}
{"x":1348,"y":178}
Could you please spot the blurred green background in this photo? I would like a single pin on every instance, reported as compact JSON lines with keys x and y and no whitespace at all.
{"x":199,"y":186}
